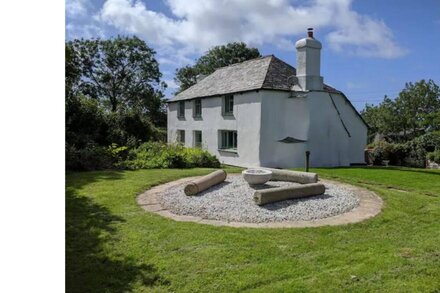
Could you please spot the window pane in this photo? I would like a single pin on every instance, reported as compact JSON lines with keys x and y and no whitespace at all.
{"x":198,"y":108}
{"x":228,"y":104}
{"x":181,"y":109}
{"x":197,"y":138}
{"x":228,"y":139}
{"x":181,"y":136}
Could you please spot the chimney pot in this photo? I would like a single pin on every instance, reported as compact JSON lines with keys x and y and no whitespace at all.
{"x":310,"y":32}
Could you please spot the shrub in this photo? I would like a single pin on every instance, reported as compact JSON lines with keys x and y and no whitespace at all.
{"x":434,"y":156}
{"x":382,"y":150}
{"x":90,"y":157}
{"x":160,"y":155}
{"x":412,"y":153}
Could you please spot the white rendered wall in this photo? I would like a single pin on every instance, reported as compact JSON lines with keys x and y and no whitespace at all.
{"x":314,"y":119}
{"x":282,"y":117}
{"x":246,"y":121}
{"x":329,"y":143}
{"x":262,"y":119}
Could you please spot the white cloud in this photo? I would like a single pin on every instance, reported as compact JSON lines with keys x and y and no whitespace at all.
{"x":200,"y":24}
{"x":171,"y":84}
{"x":87,"y":31}
{"x":76,"y":8}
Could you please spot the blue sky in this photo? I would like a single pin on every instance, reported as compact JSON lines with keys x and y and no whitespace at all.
{"x":370,"y":48}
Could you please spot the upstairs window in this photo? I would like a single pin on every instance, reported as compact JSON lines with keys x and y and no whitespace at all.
{"x":197,"y":138}
{"x":228,"y":105}
{"x":228,"y":139}
{"x":197,"y":108}
{"x":181,"y":136}
{"x":181,"y":109}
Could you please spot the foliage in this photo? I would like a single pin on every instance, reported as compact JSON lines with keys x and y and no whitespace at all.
{"x":415,"y":111}
{"x":88,"y":157}
{"x":91,"y":131}
{"x":121,"y":73}
{"x":130,"y":128}
{"x":117,"y":153}
{"x":434,"y":156}
{"x":382,"y":150}
{"x":72,"y":71}
{"x":113,"y":98}
{"x":216,"y":57}
{"x":113,"y":246}
{"x":412,"y":153}
{"x":160,"y":155}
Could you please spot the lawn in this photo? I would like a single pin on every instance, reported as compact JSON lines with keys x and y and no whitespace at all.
{"x":112,"y":245}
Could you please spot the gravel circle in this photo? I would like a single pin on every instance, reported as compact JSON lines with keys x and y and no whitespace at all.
{"x":232,"y":201}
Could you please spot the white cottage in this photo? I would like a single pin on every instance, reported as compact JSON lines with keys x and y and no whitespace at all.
{"x":263,"y":112}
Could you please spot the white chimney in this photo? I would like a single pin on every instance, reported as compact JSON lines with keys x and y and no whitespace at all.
{"x":308,"y":63}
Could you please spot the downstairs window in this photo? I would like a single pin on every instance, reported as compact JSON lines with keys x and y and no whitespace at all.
{"x":228,"y":139}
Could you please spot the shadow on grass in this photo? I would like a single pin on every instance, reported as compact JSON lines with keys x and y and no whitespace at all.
{"x":88,"y":267}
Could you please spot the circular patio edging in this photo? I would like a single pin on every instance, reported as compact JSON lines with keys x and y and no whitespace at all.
{"x":369,"y":206}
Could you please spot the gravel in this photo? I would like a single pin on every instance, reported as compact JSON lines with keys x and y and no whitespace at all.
{"x":233,"y":201}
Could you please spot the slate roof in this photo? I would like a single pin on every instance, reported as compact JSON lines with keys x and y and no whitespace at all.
{"x":266,"y":72}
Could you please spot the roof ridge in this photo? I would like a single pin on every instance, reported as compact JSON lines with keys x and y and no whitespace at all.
{"x":246,"y":61}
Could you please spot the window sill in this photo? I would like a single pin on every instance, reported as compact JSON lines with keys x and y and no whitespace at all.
{"x":234,"y":151}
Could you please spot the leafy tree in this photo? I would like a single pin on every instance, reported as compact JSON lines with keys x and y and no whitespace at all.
{"x":72,"y":70}
{"x":413,"y":112}
{"x":114,"y":100}
{"x":186,"y":77}
{"x":216,"y":57}
{"x":121,"y":73}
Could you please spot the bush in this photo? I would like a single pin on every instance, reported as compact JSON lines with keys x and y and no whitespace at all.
{"x":130,"y":128}
{"x":434,"y":156}
{"x":90,"y":157}
{"x":160,"y":155}
{"x":411,"y":154}
{"x":382,"y":150}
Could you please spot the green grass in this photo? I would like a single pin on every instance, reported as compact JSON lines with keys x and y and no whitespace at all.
{"x":112,"y":245}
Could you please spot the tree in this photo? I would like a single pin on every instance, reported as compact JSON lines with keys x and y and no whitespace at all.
{"x":72,"y":71}
{"x":120,"y":73}
{"x":415,"y":103}
{"x":216,"y":57}
{"x":413,"y":112}
{"x":113,"y":98}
